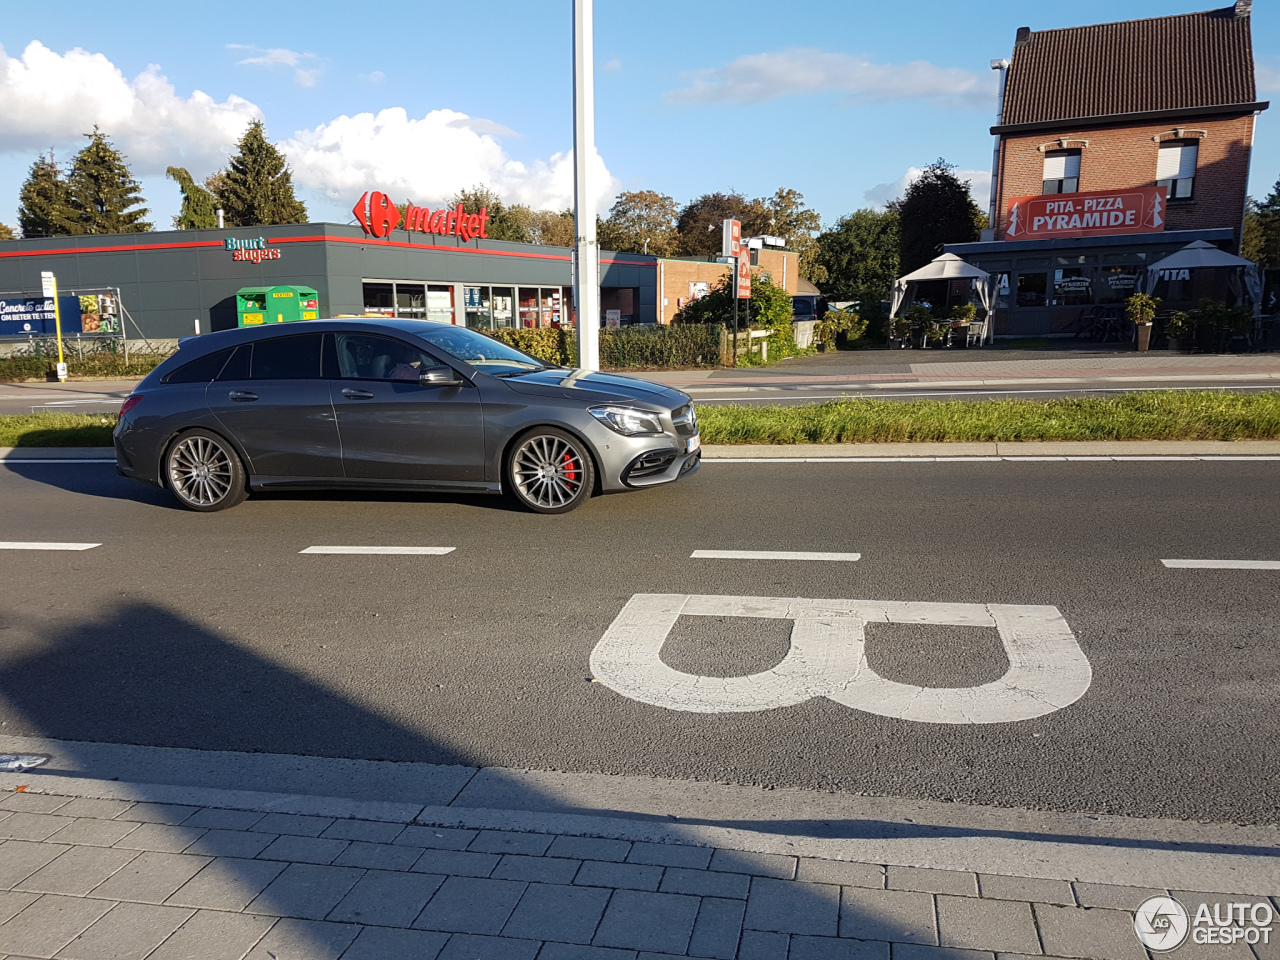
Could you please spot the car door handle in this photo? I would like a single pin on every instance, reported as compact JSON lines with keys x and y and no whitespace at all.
{"x":357,"y":394}
{"x":242,"y":396}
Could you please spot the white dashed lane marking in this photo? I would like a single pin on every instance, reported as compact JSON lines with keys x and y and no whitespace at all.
{"x":1222,"y":564}
{"x":769,"y":555}
{"x":399,"y":551}
{"x":39,"y":545}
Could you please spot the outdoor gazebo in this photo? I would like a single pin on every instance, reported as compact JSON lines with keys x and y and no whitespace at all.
{"x":948,"y":267}
{"x":1245,"y":277}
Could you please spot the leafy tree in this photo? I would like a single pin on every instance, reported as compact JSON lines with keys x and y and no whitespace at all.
{"x":860,"y":254}
{"x":102,"y":196}
{"x":1261,"y":240}
{"x":256,"y":189}
{"x":199,"y":208}
{"x":701,"y":222}
{"x":769,"y":306}
{"x":551,"y":228}
{"x":505,"y":223}
{"x":936,"y":209}
{"x":790,"y":219}
{"x":642,"y":221}
{"x":43,"y":203}
{"x":6,"y":232}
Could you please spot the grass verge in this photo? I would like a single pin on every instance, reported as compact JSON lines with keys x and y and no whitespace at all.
{"x":57,"y":429}
{"x":97,"y":366}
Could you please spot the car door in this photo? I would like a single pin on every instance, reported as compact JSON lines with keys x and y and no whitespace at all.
{"x":395,"y":428}
{"x":273,"y":399}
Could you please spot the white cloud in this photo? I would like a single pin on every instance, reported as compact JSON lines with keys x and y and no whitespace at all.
{"x":376,"y":77}
{"x":281,"y":57}
{"x":1268,"y":75}
{"x":882,"y":194}
{"x":48,"y":98}
{"x":614,"y":64}
{"x":479,"y":125}
{"x":767,"y":76}
{"x":426,"y":160}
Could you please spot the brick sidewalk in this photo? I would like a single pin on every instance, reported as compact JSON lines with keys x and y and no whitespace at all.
{"x":90,"y":879}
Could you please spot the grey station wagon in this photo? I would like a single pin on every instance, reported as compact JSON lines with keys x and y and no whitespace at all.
{"x":395,"y":405}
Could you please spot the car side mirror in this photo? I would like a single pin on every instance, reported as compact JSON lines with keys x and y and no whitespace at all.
{"x":441,"y":376}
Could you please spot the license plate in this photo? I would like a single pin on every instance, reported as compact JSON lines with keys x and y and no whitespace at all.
{"x":692,"y":444}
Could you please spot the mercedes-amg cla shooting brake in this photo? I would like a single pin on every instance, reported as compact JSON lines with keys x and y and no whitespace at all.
{"x":395,"y":405}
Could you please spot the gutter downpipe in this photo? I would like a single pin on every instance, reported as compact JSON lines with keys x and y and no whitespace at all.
{"x":992,"y":209}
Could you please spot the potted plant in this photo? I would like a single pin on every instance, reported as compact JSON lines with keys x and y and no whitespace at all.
{"x":962,"y":314}
{"x":1181,"y":331}
{"x":1141,"y":310}
{"x":898,"y":328}
{"x":923,"y":327}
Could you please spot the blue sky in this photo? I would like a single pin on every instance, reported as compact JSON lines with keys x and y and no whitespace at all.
{"x":838,"y":100}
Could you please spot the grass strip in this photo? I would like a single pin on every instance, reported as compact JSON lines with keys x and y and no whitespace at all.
{"x":95,"y":366}
{"x":57,"y":429}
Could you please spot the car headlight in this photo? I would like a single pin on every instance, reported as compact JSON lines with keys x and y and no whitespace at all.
{"x":628,"y":421}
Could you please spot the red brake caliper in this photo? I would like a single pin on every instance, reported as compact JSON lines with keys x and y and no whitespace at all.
{"x":570,"y":472}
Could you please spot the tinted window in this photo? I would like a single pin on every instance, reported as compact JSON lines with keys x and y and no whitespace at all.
{"x":202,"y":369}
{"x":287,"y":358}
{"x":364,"y":357}
{"x":237,"y":367}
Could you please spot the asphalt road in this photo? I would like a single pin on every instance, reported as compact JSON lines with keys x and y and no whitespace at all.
{"x":212,"y":631}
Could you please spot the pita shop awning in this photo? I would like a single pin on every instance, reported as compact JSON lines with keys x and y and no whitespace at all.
{"x":1200,"y":255}
{"x":947,"y":267}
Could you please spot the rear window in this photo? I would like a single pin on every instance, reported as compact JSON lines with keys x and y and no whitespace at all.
{"x":202,"y":369}
{"x":287,"y":358}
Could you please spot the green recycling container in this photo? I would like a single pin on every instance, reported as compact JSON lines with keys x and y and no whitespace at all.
{"x":279,"y":304}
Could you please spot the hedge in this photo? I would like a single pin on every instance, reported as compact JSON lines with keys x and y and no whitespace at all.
{"x":625,"y":348}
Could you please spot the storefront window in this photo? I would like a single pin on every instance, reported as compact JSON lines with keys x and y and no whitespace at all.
{"x":411,"y":300}
{"x":380,"y":298}
{"x":440,"y":303}
{"x":570,"y":318}
{"x":1031,"y":289}
{"x":1072,"y":286}
{"x":551,"y":306}
{"x":476,"y":301}
{"x":528,"y":306}
{"x":1118,"y":283}
{"x":502,"y":301}
{"x":1002,"y":291}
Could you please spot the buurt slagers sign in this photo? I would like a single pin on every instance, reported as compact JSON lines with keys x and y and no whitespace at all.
{"x":1136,"y":210}
{"x":379,"y":216}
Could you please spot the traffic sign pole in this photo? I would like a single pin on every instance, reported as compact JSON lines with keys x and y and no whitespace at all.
{"x":49,"y":287}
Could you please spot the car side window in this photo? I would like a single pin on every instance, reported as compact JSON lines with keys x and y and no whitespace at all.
{"x":365,"y":357}
{"x":202,"y":369}
{"x":287,"y":358}
{"x":237,"y":367}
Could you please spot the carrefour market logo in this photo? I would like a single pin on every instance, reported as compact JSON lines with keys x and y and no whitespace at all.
{"x":379,"y":216}
{"x":1161,"y":923}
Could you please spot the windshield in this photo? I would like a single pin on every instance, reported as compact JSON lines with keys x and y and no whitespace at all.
{"x":478,"y":350}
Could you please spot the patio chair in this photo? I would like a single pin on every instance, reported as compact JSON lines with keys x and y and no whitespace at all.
{"x":975,"y":333}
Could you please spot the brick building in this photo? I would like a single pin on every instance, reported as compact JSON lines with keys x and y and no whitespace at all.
{"x":682,"y":279}
{"x":1157,"y":114}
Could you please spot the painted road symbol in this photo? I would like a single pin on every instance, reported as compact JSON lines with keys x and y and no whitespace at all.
{"x":827,"y":658}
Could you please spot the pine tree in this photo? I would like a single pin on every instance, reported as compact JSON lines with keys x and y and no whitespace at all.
{"x":43,"y":201}
{"x":199,"y":209}
{"x":936,"y":209}
{"x":103,"y":197}
{"x":257,"y":188}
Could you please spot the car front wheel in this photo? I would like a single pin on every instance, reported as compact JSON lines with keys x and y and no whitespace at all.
{"x":550,"y":471}
{"x":204,"y":472}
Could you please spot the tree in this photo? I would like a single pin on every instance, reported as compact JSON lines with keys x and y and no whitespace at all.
{"x":642,"y":221}
{"x":860,"y":255}
{"x":256,"y":189}
{"x":102,"y":196}
{"x":43,"y":202}
{"x":199,"y":208}
{"x":6,"y":232}
{"x":551,"y":228}
{"x":789,"y":218}
{"x":505,"y":223}
{"x":701,"y":220}
{"x":936,"y":209}
{"x":769,"y":306}
{"x":1261,"y":240}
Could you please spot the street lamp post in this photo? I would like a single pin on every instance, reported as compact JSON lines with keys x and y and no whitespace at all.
{"x":586,"y":276}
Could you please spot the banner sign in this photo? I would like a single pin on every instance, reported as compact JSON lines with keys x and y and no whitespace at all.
{"x":378,"y":216}
{"x":34,"y":316}
{"x":1102,"y":213}
{"x":743,"y":286}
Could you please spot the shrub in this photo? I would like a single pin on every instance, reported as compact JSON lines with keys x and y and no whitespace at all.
{"x":839,"y":328}
{"x":624,"y":348}
{"x":1141,"y":307}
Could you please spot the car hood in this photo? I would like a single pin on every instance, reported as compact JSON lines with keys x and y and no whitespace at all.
{"x":594,"y":386}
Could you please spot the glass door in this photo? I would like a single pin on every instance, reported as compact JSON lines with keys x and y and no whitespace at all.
{"x":528,"y":307}
{"x":440,"y":302}
{"x":503,"y":301}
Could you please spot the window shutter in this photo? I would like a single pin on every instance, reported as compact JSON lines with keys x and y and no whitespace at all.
{"x":1177,"y":161}
{"x":1055,"y":166}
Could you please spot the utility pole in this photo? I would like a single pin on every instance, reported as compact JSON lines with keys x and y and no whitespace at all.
{"x":586,"y":276}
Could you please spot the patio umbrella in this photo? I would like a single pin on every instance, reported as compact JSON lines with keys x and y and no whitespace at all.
{"x":948,"y":267}
{"x":1198,"y":255}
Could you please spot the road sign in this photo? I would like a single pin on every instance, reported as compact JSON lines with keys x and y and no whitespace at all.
{"x":48,"y":286}
{"x":742,"y":289}
{"x":731,"y":238}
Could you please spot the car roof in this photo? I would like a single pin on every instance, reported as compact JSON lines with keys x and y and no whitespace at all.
{"x":229,"y":338}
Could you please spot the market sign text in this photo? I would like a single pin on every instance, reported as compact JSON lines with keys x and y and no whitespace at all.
{"x":379,"y":216}
{"x":1103,"y":213}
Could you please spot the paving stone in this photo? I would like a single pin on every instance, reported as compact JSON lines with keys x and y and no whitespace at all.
{"x":717,"y":929}
{"x":555,"y":911}
{"x":32,"y":826}
{"x":578,"y":951}
{"x":170,"y":813}
{"x":926,"y":880}
{"x":1088,"y":932}
{"x":757,"y":864}
{"x":151,"y":877}
{"x":215,"y":819}
{"x":638,"y":920}
{"x":456,"y":863}
{"x":93,"y":833}
{"x":1190,"y":950}
{"x":304,"y":940}
{"x":11,"y":904}
{"x":437,"y":838}
{"x":464,"y":946}
{"x":705,"y":883}
{"x":97,"y":809}
{"x":32,"y":802}
{"x":370,"y":831}
{"x":471,"y":905}
{"x":129,"y":932}
{"x":161,"y":837}
{"x":537,"y":869}
{"x":829,"y":948}
{"x":915,"y":951}
{"x":231,"y":843}
{"x":305,"y":890}
{"x":789,"y":906}
{"x":758,"y":945}
{"x":387,"y":899}
{"x":844,"y":872}
{"x":670,"y":855}
{"x":304,"y":849}
{"x":1113,"y":897}
{"x":589,"y":848}
{"x":1003,"y":925}
{"x":292,"y":823}
{"x":1026,"y":888}
{"x":19,"y":859}
{"x":49,"y":924}
{"x":214,"y":935}
{"x":503,"y":841}
{"x":381,"y":856}
{"x":77,"y":871}
{"x":382,"y":943}
{"x":899,"y":915}
{"x":227,"y":884}
{"x":628,"y":876}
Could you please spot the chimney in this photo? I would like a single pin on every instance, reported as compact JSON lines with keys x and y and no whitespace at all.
{"x":1243,"y":8}
{"x":1024,"y":33}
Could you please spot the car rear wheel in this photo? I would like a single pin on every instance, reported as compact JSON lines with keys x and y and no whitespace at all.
{"x":550,"y":471}
{"x":204,"y":472}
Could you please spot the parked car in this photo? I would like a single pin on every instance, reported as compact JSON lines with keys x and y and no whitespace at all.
{"x":395,"y":404}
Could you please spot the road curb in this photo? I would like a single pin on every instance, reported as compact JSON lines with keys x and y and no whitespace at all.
{"x":1110,"y":448}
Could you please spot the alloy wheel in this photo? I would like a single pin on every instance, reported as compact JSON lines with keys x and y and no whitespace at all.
{"x":201,"y":471}
{"x":549,"y":472}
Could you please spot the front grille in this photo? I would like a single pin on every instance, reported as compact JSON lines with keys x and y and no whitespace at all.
{"x":685,"y":420}
{"x":648,"y":464}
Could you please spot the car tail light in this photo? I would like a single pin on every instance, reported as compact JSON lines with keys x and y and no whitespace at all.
{"x":130,"y":402}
